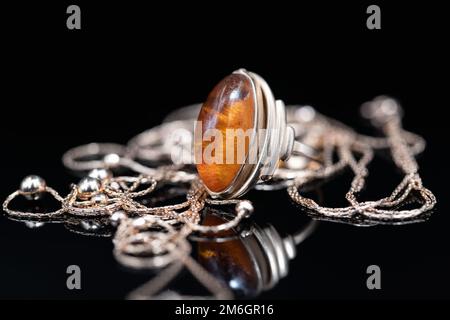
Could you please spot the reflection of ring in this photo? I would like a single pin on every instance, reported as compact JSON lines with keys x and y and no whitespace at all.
{"x":242,"y":102}
{"x":260,"y":250}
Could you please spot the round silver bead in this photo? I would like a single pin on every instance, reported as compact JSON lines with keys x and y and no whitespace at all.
{"x":88,"y":187}
{"x":100,"y":199}
{"x":100,"y":174}
{"x":245,"y":205}
{"x":117,"y":217}
{"x":111,"y":160}
{"x":33,"y":187}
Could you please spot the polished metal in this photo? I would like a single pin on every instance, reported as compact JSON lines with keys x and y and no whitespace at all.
{"x":88,"y":187}
{"x":32,"y":187}
{"x":100,"y":199}
{"x":101,"y":174}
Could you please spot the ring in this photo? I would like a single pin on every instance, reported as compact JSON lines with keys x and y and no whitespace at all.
{"x":241,"y":108}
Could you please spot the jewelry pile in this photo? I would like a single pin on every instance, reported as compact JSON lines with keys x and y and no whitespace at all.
{"x":150,"y":236}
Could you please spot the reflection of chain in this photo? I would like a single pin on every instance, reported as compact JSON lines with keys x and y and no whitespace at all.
{"x":336,"y":138}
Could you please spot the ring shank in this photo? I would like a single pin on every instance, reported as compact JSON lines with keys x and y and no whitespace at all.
{"x":304,"y":150}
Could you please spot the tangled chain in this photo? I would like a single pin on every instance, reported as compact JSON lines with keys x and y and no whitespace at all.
{"x":156,"y":236}
{"x":355,"y":151}
{"x":150,"y":237}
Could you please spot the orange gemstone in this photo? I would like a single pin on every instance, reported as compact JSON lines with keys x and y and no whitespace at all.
{"x":230,"y":105}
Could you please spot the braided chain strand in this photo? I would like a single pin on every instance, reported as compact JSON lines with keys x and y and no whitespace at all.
{"x":347,"y":144}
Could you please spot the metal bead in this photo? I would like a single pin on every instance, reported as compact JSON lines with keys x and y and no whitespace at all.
{"x":33,"y":187}
{"x":245,"y":205}
{"x":100,"y":198}
{"x":111,"y":160}
{"x":88,"y":187}
{"x":117,"y":217}
{"x":100,"y":174}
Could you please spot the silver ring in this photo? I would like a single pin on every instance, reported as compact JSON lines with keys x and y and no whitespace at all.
{"x":245,"y":99}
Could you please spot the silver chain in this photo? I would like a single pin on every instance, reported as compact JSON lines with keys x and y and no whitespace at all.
{"x":356,"y":151}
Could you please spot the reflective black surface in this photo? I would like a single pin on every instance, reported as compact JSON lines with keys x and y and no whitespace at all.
{"x":113,"y":80}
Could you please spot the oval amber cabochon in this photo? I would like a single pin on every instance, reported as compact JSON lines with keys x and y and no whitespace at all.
{"x":230,"y":105}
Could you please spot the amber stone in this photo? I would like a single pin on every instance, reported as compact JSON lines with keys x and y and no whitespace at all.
{"x":230,"y":105}
{"x":230,"y":262}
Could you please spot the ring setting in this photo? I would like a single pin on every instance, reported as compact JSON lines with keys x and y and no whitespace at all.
{"x":241,"y":101}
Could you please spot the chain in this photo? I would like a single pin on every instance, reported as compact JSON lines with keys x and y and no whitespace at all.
{"x":151,"y":236}
{"x":356,"y":151}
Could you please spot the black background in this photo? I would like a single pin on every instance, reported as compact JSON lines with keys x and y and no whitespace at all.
{"x":132,"y":64}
